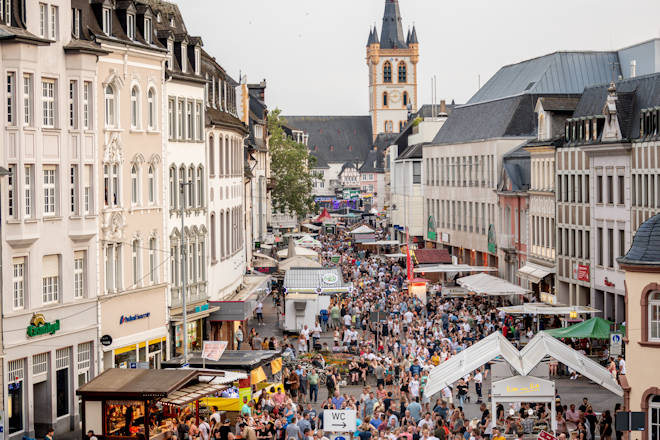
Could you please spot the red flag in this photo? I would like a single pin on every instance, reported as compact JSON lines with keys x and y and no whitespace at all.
{"x":409,"y":268}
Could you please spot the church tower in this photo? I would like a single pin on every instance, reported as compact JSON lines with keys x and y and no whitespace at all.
{"x":392,"y":61}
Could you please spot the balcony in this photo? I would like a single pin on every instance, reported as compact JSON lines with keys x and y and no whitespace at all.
{"x":507,"y":242}
{"x":195,"y":292}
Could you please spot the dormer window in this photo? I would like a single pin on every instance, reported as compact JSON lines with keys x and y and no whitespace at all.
{"x":184,"y":57}
{"x":159,"y":17}
{"x":5,"y":12}
{"x":130,"y":26}
{"x":170,"y":54}
{"x":107,"y":21}
{"x":198,"y":56}
{"x":75,"y":22}
{"x":172,"y":21}
{"x":148,"y":31}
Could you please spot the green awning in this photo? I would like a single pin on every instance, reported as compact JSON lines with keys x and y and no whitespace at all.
{"x":597,"y":328}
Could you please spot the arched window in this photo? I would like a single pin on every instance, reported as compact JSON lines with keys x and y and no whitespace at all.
{"x":405,"y":99}
{"x":191,"y":187}
{"x":134,"y":108}
{"x":227,"y":150}
{"x":403,"y":77}
{"x":153,"y":258}
{"x":227,"y":234}
{"x":221,"y":156}
{"x":653,"y":417}
{"x":387,"y":72}
{"x":384,"y":99}
{"x":221,"y":235}
{"x":211,"y":157}
{"x":109,"y":96}
{"x":213,"y":237}
{"x":151,"y":104}
{"x":182,"y":195}
{"x":136,"y":262}
{"x":200,"y":187}
{"x":151,"y":184}
{"x":135,"y":185}
{"x":654,"y":317}
{"x":173,"y":191}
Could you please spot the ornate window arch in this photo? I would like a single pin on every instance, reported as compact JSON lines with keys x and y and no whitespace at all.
{"x":385,"y":99}
{"x":650,"y":319}
{"x":403,"y":72}
{"x":387,"y":72}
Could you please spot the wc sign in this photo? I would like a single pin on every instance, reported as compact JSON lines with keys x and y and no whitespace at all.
{"x":339,"y":420}
{"x":616,"y":343}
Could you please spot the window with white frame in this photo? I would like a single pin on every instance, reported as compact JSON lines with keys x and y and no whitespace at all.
{"x":49,"y":186}
{"x":50,"y":279}
{"x":40,"y":364}
{"x":152,"y":260}
{"x":654,"y":317}
{"x":171,"y":119}
{"x":84,"y":362}
{"x":184,"y":57}
{"x":79,"y":274}
{"x":48,"y":102}
{"x":136,"y":262}
{"x":199,"y":115}
{"x":53,"y":23}
{"x":73,"y":104}
{"x":107,"y":21}
{"x":113,"y":268}
{"x":87,"y":189}
{"x":200,"y":187}
{"x":148,"y":30}
{"x":27,"y":99}
{"x":172,"y":182}
{"x":5,"y":12}
{"x":110,"y":105}
{"x":87,"y":109}
{"x":170,"y":54}
{"x":73,"y":189}
{"x":191,"y":187}
{"x":135,"y":185}
{"x":180,"y":118}
{"x":151,"y":184}
{"x":111,"y":184}
{"x":11,"y":98}
{"x":190,"y":131}
{"x":43,"y":20}
{"x":135,"y":108}
{"x":75,"y":22}
{"x":11,"y":192}
{"x":151,"y":109}
{"x":18,"y":281}
{"x":198,"y":56}
{"x":130,"y":26}
{"x":28,"y":183}
{"x":201,"y":265}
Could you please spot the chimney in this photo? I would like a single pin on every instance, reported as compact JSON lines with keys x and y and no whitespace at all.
{"x":443,"y":107}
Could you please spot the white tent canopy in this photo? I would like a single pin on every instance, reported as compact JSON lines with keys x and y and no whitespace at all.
{"x":297,"y":261}
{"x":545,"y":309}
{"x":308,"y":241}
{"x":364,"y":229}
{"x":523,"y":361}
{"x":284,"y":253}
{"x":383,"y":243}
{"x":435,"y":268}
{"x":485,"y":284}
{"x":535,"y":272}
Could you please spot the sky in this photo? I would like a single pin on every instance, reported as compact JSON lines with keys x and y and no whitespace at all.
{"x":312,"y":52}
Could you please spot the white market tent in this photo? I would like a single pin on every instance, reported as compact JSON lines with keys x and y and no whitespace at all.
{"x":297,"y":261}
{"x":364,"y":229}
{"x":485,"y":284}
{"x":382,"y":243}
{"x":524,"y":388}
{"x":284,"y":253}
{"x":545,"y":309}
{"x":523,"y":361}
{"x":308,"y":241}
{"x":453,"y":268}
{"x":534,"y":272}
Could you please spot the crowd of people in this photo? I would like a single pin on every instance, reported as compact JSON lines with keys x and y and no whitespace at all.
{"x":389,"y":360}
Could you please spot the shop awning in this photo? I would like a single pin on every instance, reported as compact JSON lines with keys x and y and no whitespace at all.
{"x":240,"y":306}
{"x":208,"y":384}
{"x":485,"y":284}
{"x":276,"y":365}
{"x":260,"y":256}
{"x":364,"y":229}
{"x":382,"y":243}
{"x":546,"y":309}
{"x":453,"y":268}
{"x":534,"y":272}
{"x":299,"y":250}
{"x":257,"y":375}
{"x":194,"y":316}
{"x":596,"y":328}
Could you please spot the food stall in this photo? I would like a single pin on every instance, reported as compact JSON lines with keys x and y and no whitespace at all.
{"x":261,"y":371}
{"x":123,"y":404}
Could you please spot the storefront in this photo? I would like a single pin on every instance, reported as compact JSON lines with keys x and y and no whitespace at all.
{"x":230,"y":315}
{"x":134,"y":330}
{"x":143,"y":404}
{"x":198,"y":328}
{"x":46,"y":356}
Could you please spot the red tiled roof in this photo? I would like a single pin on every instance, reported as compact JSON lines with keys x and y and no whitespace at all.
{"x":433,"y":256}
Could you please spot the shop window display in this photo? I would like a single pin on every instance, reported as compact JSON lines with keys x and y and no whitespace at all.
{"x":124,"y":419}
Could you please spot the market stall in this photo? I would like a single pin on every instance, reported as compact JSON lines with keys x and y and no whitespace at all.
{"x":530,"y":389}
{"x":141,"y":403}
{"x":261,"y":370}
{"x":484,"y":284}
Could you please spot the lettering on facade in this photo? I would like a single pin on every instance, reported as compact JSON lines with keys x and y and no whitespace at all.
{"x":39,"y":326}
{"x":128,"y":318}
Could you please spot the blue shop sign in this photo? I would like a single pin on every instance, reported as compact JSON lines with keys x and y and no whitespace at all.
{"x":128,"y":318}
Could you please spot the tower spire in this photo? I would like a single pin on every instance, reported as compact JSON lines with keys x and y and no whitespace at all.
{"x":392,"y":33}
{"x":413,"y":36}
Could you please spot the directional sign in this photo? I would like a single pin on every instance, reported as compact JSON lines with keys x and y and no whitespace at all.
{"x":339,"y":420}
{"x":616,"y":344}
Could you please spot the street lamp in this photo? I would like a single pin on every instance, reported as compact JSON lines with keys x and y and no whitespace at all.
{"x":184,"y":278}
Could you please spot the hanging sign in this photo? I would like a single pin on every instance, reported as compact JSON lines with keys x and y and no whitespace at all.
{"x":39,"y":326}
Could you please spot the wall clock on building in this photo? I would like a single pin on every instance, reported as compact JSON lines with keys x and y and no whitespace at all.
{"x":395,"y":96}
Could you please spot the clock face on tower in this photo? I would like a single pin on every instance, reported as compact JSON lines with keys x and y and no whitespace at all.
{"x":395,"y":96}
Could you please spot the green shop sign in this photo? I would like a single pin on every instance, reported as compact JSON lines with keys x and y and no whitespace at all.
{"x":38,"y":326}
{"x":492,"y":246}
{"x":430,"y":226}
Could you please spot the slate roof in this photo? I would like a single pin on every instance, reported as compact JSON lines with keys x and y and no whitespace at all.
{"x":412,"y":152}
{"x":517,"y":166}
{"x":349,"y":136}
{"x":392,"y":32}
{"x":645,"y":249}
{"x":374,"y":163}
{"x":558,"y":72}
{"x":559,"y":104}
{"x":507,"y":117}
{"x":433,"y":256}
{"x":633,"y":95}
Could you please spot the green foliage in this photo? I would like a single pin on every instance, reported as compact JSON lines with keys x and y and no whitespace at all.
{"x":290,"y":168}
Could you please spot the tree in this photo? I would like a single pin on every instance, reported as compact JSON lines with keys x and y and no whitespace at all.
{"x":290,"y":170}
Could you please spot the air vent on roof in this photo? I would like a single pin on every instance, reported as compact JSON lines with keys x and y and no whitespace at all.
{"x":530,"y":85}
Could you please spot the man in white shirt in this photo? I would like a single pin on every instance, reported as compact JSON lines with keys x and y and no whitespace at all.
{"x":259,"y":310}
{"x":478,"y":380}
{"x":622,"y":365}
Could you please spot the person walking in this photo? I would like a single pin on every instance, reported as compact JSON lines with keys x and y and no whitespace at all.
{"x":313,"y":381}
